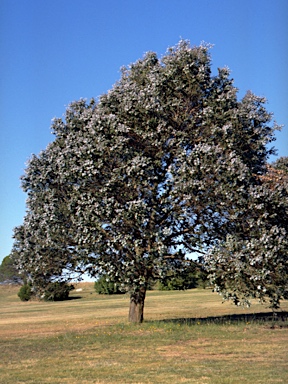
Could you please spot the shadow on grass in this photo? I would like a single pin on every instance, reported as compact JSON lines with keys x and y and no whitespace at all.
{"x":73,"y":298}
{"x":277,"y":319}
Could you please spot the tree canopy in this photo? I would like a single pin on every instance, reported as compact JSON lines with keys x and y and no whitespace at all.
{"x":167,"y":164}
{"x":252,"y":262}
{"x":8,"y":272}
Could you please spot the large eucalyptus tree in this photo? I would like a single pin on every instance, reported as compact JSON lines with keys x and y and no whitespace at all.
{"x":155,"y":170}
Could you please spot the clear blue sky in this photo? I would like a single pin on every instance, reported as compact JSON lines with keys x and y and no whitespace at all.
{"x":57,"y":51}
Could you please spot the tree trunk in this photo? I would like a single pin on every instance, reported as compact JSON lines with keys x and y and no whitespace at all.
{"x":136,"y":309}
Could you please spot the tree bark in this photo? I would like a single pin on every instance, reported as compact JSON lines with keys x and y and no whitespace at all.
{"x":136,"y":310}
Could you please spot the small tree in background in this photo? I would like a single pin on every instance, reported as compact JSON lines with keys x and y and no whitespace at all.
{"x":189,"y":277}
{"x":8,"y":271}
{"x":105,"y":286}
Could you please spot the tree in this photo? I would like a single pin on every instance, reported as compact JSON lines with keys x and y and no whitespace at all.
{"x":8,"y":271}
{"x":43,"y":265}
{"x":186,"y":278}
{"x":151,"y":172}
{"x":252,"y":262}
{"x":104,"y":285}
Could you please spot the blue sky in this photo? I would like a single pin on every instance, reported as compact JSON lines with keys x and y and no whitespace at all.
{"x":57,"y":51}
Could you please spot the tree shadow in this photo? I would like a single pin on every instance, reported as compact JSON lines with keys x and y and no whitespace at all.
{"x":73,"y":298}
{"x":272,"y":319}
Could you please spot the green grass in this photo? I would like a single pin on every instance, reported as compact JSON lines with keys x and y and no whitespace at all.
{"x":187,"y":337}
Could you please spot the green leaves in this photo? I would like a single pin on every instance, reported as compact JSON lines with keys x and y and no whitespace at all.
{"x":165,"y":161}
{"x":252,"y":261}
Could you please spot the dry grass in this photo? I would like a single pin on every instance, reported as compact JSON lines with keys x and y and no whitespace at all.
{"x":88,"y":340}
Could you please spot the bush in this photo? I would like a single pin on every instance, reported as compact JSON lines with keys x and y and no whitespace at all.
{"x":107,"y":287}
{"x":25,"y":292}
{"x":57,"y":291}
{"x":177,"y":283}
{"x":191,"y":277}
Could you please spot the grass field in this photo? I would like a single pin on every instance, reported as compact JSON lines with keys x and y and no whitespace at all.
{"x":187,"y":337}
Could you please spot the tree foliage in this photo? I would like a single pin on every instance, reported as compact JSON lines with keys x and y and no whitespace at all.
{"x":104,"y":285}
{"x":9,"y":272}
{"x":177,"y":282}
{"x":25,"y":292}
{"x":281,"y":165}
{"x":252,"y":262}
{"x":57,"y":291}
{"x":167,"y":163}
{"x":54,"y":291}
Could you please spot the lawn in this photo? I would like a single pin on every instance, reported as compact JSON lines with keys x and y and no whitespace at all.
{"x":187,"y":337}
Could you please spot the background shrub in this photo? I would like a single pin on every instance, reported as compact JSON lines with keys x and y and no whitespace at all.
{"x":57,"y":291}
{"x":175,"y":282}
{"x":25,"y":292}
{"x":107,"y":287}
{"x":190,"y":277}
